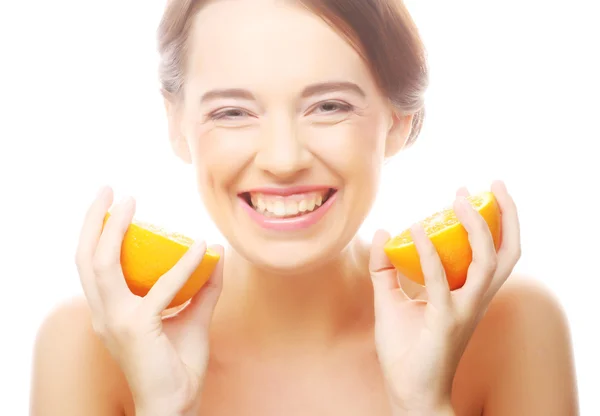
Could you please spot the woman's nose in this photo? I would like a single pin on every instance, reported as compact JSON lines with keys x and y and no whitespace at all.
{"x":282,"y":152}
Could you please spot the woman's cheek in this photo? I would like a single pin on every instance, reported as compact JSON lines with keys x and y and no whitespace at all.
{"x":220,"y":154}
{"x":353,"y":145}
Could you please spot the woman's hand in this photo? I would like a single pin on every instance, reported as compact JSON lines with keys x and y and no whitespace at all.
{"x":420,"y":343}
{"x":163,"y":360}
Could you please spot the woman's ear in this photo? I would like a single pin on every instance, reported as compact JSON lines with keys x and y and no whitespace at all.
{"x":177,"y":138}
{"x":398,"y":132}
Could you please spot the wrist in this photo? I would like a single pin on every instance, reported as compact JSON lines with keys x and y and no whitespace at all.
{"x":166,"y":405}
{"x":438,"y":411}
{"x":165,"y":409}
{"x":156,"y":411}
{"x":441,"y":409}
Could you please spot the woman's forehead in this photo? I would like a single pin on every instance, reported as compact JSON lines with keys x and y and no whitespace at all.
{"x":252,"y":40}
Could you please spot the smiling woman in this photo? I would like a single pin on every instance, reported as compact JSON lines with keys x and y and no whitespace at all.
{"x":287,"y":111}
{"x":302,"y":118}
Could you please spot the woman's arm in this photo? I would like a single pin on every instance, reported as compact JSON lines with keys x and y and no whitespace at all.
{"x":73,"y":374}
{"x":529,"y":342}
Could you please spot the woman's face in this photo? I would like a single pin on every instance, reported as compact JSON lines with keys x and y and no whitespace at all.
{"x":286,"y":128}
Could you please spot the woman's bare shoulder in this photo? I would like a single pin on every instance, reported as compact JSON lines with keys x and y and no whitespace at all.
{"x":524,"y":297}
{"x":73,"y":373}
{"x":524,"y":344}
{"x":524,"y":307}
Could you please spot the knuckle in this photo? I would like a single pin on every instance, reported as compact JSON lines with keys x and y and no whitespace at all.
{"x":451,"y":323}
{"x":480,"y":314}
{"x":483,"y":226}
{"x":492,"y":264}
{"x":122,"y":328}
{"x":80,"y":259}
{"x":438,"y":272}
{"x":516,"y":255}
{"x":102,"y":264}
{"x":470,"y":308}
{"x":487,"y":264}
{"x":99,"y":328}
{"x":479,"y":223}
{"x":429,"y":250}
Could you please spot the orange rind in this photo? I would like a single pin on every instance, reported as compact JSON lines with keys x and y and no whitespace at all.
{"x":450,"y":240}
{"x":148,"y":252}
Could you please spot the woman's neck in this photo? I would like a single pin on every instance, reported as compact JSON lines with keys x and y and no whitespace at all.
{"x":303,"y":310}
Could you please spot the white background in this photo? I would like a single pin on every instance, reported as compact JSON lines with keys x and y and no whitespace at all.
{"x":514,"y":95}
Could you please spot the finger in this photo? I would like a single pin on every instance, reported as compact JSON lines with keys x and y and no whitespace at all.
{"x":510,"y":248}
{"x":197,"y":317}
{"x":484,"y":260}
{"x":201,"y":308}
{"x":462,"y":191}
{"x":436,"y":283}
{"x":86,"y":247}
{"x":383,"y":274}
{"x":169,"y":284}
{"x":107,"y":260}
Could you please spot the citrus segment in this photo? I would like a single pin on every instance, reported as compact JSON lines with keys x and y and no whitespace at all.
{"x":450,"y":240}
{"x":149,"y":251}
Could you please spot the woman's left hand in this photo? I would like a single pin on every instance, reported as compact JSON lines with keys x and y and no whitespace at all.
{"x":420,"y":343}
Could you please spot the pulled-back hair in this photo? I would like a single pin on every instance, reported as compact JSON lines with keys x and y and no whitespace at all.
{"x":382,"y":31}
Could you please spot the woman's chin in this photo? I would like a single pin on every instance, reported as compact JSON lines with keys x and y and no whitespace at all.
{"x":295,"y":251}
{"x":291,"y":258}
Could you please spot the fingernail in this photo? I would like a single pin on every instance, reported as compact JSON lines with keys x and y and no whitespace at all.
{"x":126,"y":201}
{"x":416,"y":228}
{"x":198,"y":245}
{"x":218,"y":248}
{"x":102,"y":192}
{"x":124,"y":205}
{"x":499,"y":183}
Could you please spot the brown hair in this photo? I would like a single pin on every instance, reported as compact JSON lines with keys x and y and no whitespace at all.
{"x":382,"y":31}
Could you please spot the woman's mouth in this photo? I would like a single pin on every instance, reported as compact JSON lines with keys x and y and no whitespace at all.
{"x":288,"y":212}
{"x":276,"y":206}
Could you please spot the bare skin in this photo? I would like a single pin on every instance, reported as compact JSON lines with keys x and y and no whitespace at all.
{"x":519,"y":362}
{"x":293,"y":330}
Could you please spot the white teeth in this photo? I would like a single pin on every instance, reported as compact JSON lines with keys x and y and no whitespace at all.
{"x":279,"y":208}
{"x":303,"y":206}
{"x":289,"y":206}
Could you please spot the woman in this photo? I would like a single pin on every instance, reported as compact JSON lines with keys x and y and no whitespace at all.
{"x":288,"y":110}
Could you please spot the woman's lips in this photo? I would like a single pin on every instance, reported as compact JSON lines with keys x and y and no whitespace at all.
{"x":287,"y":211}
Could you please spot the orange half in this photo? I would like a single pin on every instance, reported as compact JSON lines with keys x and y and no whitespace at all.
{"x":149,"y":251}
{"x":450,"y":240}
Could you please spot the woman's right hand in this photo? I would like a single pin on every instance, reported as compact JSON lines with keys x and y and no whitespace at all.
{"x":163,"y":360}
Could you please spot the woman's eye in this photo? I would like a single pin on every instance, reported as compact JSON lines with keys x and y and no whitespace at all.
{"x":333,"y":107}
{"x":228,"y":114}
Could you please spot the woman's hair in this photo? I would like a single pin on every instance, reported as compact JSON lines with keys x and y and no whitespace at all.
{"x":382,"y":31}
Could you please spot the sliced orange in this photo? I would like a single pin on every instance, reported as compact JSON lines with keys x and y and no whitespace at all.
{"x":149,"y":251}
{"x":450,"y":240}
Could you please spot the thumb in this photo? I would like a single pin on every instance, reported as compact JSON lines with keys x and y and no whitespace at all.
{"x":383,"y":274}
{"x":381,"y":269}
{"x":202,"y":305}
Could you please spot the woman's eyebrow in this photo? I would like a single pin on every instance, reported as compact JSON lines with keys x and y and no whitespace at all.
{"x":227,"y":93}
{"x":325,"y":87}
{"x":309,"y":91}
